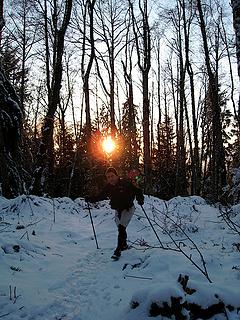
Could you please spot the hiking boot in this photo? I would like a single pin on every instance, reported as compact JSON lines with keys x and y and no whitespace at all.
{"x":116,"y":255}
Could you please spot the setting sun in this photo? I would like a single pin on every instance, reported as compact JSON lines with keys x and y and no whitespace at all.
{"x":108,"y":145}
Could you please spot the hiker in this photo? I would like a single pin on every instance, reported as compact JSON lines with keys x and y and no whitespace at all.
{"x":122,"y":194}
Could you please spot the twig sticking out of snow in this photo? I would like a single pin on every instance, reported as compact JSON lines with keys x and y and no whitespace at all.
{"x":179,"y":245}
{"x":226,"y":216}
{"x":30,"y":206}
{"x":13,"y":294}
{"x":137,"y":277}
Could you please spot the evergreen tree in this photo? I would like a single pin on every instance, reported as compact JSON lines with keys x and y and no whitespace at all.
{"x":11,"y":170}
{"x":208,"y":146}
{"x":131,"y":141}
{"x":165,"y":161}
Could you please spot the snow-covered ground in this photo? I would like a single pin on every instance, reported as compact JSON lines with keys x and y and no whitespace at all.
{"x":50,"y":267}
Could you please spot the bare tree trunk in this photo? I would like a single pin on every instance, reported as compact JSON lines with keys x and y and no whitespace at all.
{"x":89,"y":8}
{"x":144,"y":64}
{"x":112,"y":91}
{"x":181,"y":183}
{"x":2,"y":21}
{"x":43,"y":175}
{"x":152,"y":121}
{"x":131,"y":134}
{"x":218,"y":170}
{"x":133,"y":146}
{"x":181,"y":180}
{"x":146,"y":134}
{"x":159,"y":93}
{"x":196,"y":171}
{"x":47,"y":52}
{"x":111,"y":15}
{"x":236,"y":23}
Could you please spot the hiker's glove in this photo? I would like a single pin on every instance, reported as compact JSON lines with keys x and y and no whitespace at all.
{"x":140,"y":202}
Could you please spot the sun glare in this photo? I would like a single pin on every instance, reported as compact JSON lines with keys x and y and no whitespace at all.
{"x":108,"y":145}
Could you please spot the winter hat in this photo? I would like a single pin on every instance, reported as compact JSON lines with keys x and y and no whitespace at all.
{"x":113,"y":170}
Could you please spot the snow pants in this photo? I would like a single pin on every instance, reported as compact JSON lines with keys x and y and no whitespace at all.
{"x":122,"y":220}
{"x":124,"y":217}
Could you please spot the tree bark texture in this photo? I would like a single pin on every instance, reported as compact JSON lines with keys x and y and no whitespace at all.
{"x":88,"y":10}
{"x":236,"y":23}
{"x":217,"y":167}
{"x":143,"y":47}
{"x":43,"y":176}
{"x":195,"y":164}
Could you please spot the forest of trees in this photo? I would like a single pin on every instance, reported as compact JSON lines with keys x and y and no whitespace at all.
{"x":160,"y":77}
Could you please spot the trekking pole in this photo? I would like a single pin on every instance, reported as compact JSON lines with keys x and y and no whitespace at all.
{"x":152,"y":226}
{"x":90,"y":213}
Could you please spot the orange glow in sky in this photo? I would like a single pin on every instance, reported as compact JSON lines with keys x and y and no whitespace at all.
{"x":108,"y":145}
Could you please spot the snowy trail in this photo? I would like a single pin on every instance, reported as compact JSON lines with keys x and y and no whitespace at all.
{"x":74,"y":281}
{"x":88,"y":289}
{"x":59,"y":274}
{"x":83,"y":288}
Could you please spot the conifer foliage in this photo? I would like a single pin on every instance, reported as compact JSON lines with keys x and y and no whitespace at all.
{"x":11,"y":172}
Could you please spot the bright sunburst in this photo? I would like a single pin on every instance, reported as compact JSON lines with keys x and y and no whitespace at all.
{"x":108,"y":145}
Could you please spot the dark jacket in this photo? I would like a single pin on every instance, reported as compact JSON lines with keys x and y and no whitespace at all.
{"x":121,"y":195}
